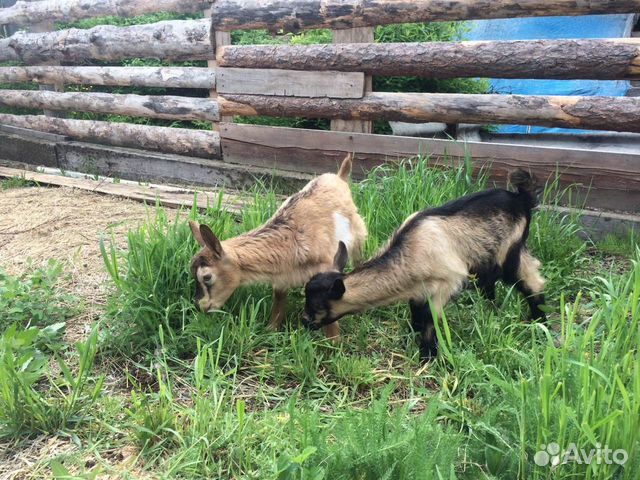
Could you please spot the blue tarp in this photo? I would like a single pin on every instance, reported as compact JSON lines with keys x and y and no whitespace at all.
{"x":595,"y":26}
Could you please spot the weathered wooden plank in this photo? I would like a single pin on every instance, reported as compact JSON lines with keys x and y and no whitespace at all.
{"x":171,"y":40}
{"x":164,"y":77}
{"x":199,"y":143}
{"x":165,"y":195}
{"x":140,"y":165}
{"x":25,"y":13}
{"x":250,"y":81}
{"x":599,"y":113}
{"x":295,"y":15}
{"x":615,"y":177}
{"x":157,"y":106}
{"x":16,"y":147}
{"x":603,"y":59}
{"x":354,"y":36}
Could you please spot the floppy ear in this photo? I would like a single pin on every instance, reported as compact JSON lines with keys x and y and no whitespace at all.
{"x":211,"y":241}
{"x":341,"y":258}
{"x":337,"y":289}
{"x":195,"y":230}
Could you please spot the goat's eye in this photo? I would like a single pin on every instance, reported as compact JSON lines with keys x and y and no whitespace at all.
{"x":207,"y":279}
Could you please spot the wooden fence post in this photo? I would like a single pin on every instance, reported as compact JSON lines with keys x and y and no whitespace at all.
{"x":354,"y":35}
{"x":217,"y":39}
{"x":49,"y":26}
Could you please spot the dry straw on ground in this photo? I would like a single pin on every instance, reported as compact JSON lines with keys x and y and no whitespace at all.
{"x":37,"y":224}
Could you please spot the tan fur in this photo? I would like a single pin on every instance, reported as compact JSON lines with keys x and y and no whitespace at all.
{"x":529,"y":272}
{"x":433,"y":263}
{"x":296,"y":243}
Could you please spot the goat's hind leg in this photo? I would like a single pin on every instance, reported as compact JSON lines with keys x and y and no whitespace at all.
{"x":422,"y":323}
{"x":524,"y":272}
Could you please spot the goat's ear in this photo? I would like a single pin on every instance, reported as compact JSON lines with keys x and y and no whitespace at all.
{"x":341,"y":258}
{"x":195,"y":230}
{"x":211,"y":241}
{"x":337,"y":289}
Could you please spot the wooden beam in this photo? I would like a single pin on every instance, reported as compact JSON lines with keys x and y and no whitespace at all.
{"x":199,"y":143}
{"x":163,"y":77}
{"x":614,"y":178}
{"x":167,"y":196}
{"x":354,"y":36}
{"x":172,"y":40}
{"x":608,"y":59}
{"x":25,"y":13}
{"x":256,"y":81}
{"x":158,"y":106}
{"x":599,"y":113}
{"x":295,"y":15}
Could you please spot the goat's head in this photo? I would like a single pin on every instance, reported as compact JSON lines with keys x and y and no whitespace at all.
{"x":323,"y":289}
{"x":215,"y":274}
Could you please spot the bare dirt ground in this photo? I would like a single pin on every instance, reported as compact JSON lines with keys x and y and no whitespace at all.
{"x":37,"y":224}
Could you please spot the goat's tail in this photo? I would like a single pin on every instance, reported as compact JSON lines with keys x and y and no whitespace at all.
{"x":525,"y":184}
{"x":345,"y":168}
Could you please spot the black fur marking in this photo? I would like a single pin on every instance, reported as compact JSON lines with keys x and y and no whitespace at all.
{"x":422,"y":322}
{"x":482,"y":205}
{"x":199,"y":293}
{"x":318,"y":291}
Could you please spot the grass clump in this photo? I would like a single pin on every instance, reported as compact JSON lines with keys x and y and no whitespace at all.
{"x":35,"y":299}
{"x":219,"y":396}
{"x":34,"y":400}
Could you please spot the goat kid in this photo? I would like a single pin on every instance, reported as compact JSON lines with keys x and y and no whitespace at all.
{"x":432,"y":256}
{"x":295,"y":244}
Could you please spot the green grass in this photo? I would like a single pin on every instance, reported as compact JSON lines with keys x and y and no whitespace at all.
{"x":220,"y":396}
{"x":15,"y":182}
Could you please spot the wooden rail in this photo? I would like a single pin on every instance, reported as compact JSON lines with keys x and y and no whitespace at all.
{"x":163,"y":77}
{"x":595,"y":113}
{"x":25,"y":13}
{"x":606,"y":59}
{"x":180,"y":141}
{"x":172,"y":40}
{"x":599,"y":113}
{"x":158,"y":106}
{"x":295,"y":15}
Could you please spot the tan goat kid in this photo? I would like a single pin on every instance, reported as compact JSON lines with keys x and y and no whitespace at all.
{"x":295,"y":244}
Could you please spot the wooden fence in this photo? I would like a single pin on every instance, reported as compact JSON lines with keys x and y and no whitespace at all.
{"x":322,"y":81}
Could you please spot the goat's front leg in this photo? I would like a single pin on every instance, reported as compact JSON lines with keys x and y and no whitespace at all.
{"x":278,"y":309}
{"x":332,"y":332}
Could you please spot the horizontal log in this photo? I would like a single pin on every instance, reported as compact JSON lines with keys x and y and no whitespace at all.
{"x":257,"y":81}
{"x":172,"y":40}
{"x":180,"y":141}
{"x":593,"y":113}
{"x":29,"y":13}
{"x":158,"y":106}
{"x":164,"y":77}
{"x":295,"y":15}
{"x":610,"y":59}
{"x":608,"y":179}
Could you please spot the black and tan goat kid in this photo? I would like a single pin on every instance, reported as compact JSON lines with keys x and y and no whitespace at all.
{"x":433,"y":255}
{"x":297,"y":242}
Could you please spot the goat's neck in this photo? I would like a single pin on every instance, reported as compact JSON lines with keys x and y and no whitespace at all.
{"x":369,"y":288}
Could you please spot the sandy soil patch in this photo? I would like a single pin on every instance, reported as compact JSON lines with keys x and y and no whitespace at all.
{"x":65,"y":224}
